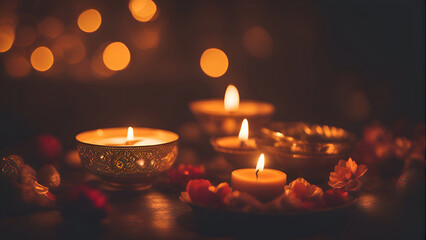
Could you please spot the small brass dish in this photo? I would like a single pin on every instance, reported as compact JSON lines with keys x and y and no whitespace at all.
{"x":215,"y":121}
{"x":124,"y":166}
{"x":239,"y":157}
{"x":305,"y":150}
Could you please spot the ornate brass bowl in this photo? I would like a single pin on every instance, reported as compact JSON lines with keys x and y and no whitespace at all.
{"x":305,"y":150}
{"x":128,"y":167}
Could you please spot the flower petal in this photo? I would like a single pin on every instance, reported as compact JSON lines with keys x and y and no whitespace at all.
{"x":351,"y":165}
{"x":337,"y":184}
{"x":341,"y":163}
{"x":362,"y":169}
{"x":336,"y":177}
{"x":353,"y":185}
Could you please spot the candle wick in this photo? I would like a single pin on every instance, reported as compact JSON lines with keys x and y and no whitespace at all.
{"x":131,"y":142}
{"x":257,"y":176}
{"x":243,"y":144}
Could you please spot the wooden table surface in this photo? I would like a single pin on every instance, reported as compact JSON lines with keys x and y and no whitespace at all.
{"x":158,"y":213}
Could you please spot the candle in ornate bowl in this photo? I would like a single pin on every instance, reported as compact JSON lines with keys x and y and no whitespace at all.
{"x":127,"y":158}
{"x":240,"y":151}
{"x":222,"y":117}
{"x":306,"y":150}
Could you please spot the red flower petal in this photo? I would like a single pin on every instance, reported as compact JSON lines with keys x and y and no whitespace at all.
{"x":181,"y":175}
{"x":223,"y":190}
{"x":299,"y":191}
{"x":204,"y":196}
{"x":197,"y":188}
{"x":362,"y":169}
{"x":50,"y":196}
{"x":334,"y":197}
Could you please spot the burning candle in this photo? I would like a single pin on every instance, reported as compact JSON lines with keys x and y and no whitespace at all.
{"x":221,"y":117}
{"x":231,"y":100}
{"x":127,"y":158}
{"x":238,"y":150}
{"x":263,"y":184}
{"x":233,"y":142}
{"x":111,"y":139}
{"x":244,"y":133}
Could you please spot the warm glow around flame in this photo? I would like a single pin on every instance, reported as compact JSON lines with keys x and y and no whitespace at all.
{"x":232,"y":98}
{"x":260,"y":162}
{"x":244,"y":131}
{"x":130,"y":136}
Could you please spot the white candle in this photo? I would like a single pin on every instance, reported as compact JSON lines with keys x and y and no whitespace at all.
{"x":122,"y":141}
{"x":117,"y":137}
{"x":263,"y":184}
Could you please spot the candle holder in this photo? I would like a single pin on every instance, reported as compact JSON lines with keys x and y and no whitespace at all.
{"x":128,"y":167}
{"x":238,"y":156}
{"x":306,"y":150}
{"x":216,"y":121}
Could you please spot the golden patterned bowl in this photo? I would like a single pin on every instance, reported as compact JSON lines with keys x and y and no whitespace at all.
{"x":127,"y":166}
{"x":305,"y":150}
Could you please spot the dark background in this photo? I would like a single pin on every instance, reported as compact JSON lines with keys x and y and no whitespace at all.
{"x":344,"y":63}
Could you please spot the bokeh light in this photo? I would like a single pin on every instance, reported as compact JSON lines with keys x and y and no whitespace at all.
{"x":50,"y":27}
{"x":142,"y":10}
{"x":214,"y":62}
{"x":25,"y":36}
{"x":116,"y":56}
{"x":70,"y":48}
{"x":146,"y":38}
{"x":258,"y":42}
{"x":7,"y":36}
{"x":89,"y":20}
{"x":42,"y":59}
{"x":17,"y":66}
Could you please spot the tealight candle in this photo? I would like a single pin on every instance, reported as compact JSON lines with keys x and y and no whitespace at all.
{"x":239,"y":150}
{"x":242,"y":142}
{"x":129,"y":161}
{"x":263,"y":184}
{"x":221,"y":117}
{"x":130,"y":140}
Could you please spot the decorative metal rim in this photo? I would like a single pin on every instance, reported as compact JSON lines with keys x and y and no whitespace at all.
{"x":125,"y":146}
{"x":275,"y":141}
{"x":136,"y":147}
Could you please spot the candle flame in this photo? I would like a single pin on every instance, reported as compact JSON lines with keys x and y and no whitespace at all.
{"x":244,"y":131}
{"x":232,"y":98}
{"x":130,"y":136}
{"x":260,"y":163}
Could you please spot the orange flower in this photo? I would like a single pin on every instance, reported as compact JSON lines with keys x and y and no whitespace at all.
{"x":346,"y":175}
{"x":300,"y":195}
{"x":303,"y":190}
